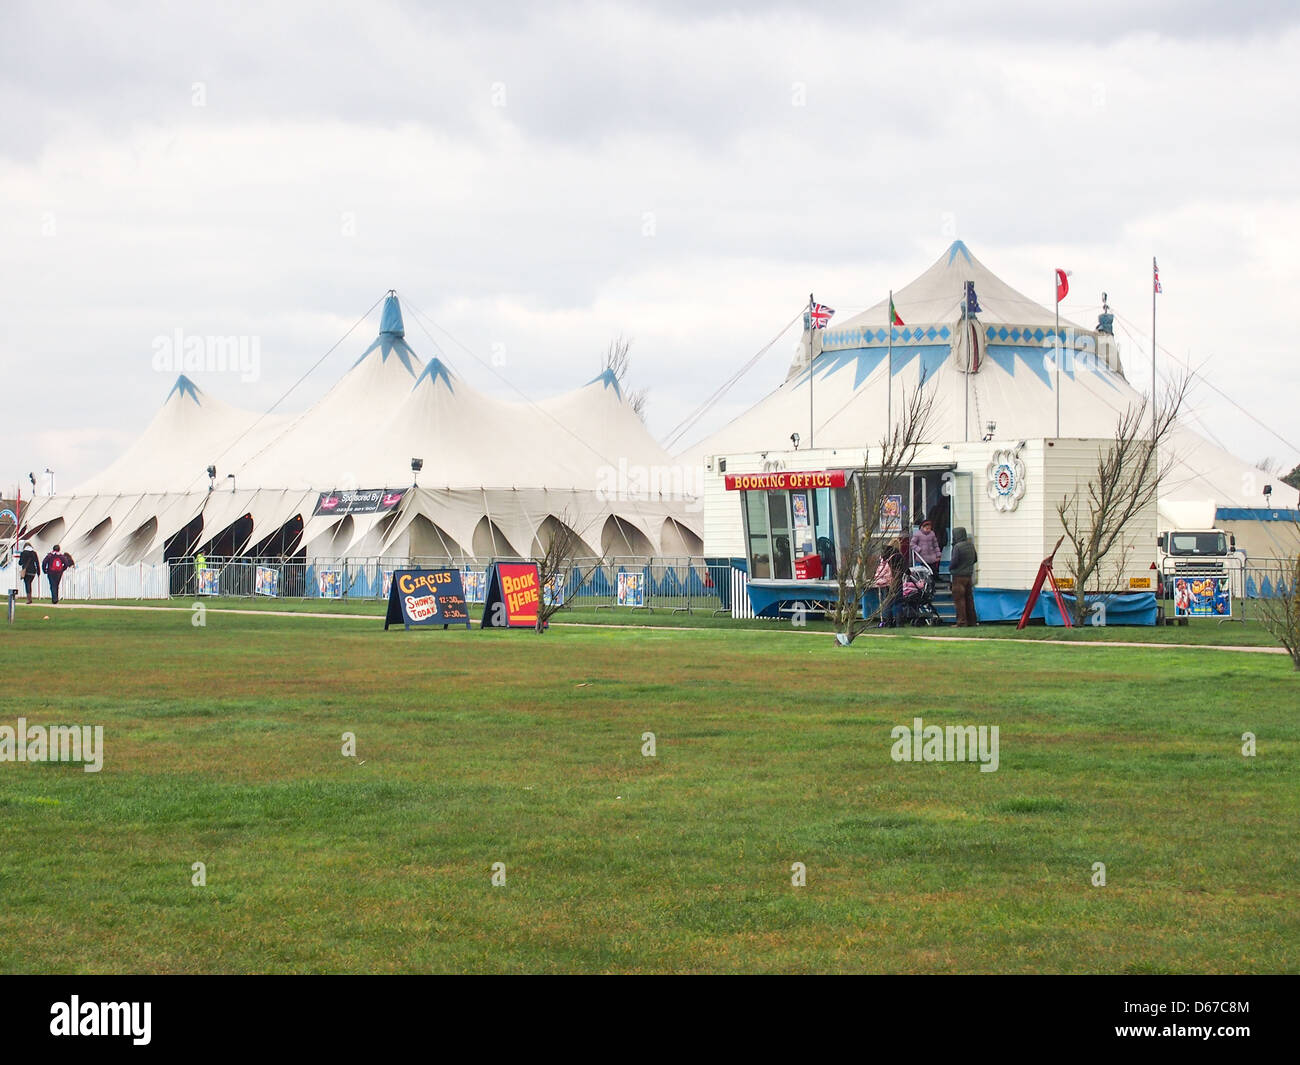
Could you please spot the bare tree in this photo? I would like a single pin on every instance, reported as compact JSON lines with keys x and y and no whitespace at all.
{"x":1098,"y":517}
{"x":1280,"y":613}
{"x":558,"y":561}
{"x":619,"y":361}
{"x":870,"y":532}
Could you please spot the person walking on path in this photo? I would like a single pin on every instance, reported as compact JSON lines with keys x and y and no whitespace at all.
{"x":962,"y":568}
{"x":54,"y":564}
{"x":29,"y":565}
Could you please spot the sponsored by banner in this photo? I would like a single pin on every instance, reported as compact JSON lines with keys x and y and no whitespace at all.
{"x":513,"y":595}
{"x":426,"y":597}
{"x":631,"y":589}
{"x":1203,"y":597}
{"x":207,"y":582}
{"x":363,"y":501}
{"x":475,"y":585}
{"x":330,"y":583}
{"x":268,"y":581}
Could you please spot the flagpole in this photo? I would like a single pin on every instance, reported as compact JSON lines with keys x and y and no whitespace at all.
{"x":1056,"y":281}
{"x":1153,"y":349}
{"x":965,"y":332}
{"x":812,"y":328}
{"x":889,"y":369}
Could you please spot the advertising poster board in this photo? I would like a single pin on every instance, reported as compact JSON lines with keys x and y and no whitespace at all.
{"x":268,"y":581}
{"x":426,"y":597}
{"x":1202,"y":597}
{"x":388,"y":584}
{"x":475,"y":581}
{"x":514,"y":592}
{"x":631,"y":589}
{"x":207,"y":582}
{"x":553,"y":593}
{"x":891,"y":514}
{"x":330,"y":583}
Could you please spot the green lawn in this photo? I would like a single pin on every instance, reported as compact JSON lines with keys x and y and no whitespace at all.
{"x":223,"y":746}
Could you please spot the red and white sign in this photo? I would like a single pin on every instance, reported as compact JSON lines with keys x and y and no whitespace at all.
{"x":759,"y":482}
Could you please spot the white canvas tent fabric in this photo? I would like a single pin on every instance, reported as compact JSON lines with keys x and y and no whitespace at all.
{"x":1012,"y":386}
{"x":495,"y":472}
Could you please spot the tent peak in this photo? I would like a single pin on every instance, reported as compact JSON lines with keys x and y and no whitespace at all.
{"x":609,"y":379}
{"x":435,"y":370}
{"x":959,"y":247}
{"x":391,"y":322}
{"x":187,"y":389}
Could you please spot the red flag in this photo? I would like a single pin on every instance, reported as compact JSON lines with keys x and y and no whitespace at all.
{"x":1062,"y":284}
{"x":1155,"y":276}
{"x":894,"y":318}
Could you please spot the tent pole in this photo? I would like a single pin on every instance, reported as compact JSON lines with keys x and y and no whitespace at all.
{"x":889,"y":370}
{"x":1058,"y":357}
{"x":1153,"y":349}
{"x":965,"y":330}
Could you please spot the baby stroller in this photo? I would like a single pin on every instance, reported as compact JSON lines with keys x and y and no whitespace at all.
{"x":917,"y":606}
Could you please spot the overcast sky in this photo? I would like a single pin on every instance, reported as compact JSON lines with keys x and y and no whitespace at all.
{"x":537,"y":180}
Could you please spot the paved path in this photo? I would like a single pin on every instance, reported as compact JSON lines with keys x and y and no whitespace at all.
{"x":685,"y":628}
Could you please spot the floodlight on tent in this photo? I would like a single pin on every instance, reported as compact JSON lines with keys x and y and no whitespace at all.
{"x":231,"y":478}
{"x":212,"y":478}
{"x":1268,"y":490}
{"x":794,"y":439}
{"x":416,"y":466}
{"x":990,"y":429}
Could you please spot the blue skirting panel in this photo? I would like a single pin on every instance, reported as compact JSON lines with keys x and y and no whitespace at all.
{"x":1002,"y":604}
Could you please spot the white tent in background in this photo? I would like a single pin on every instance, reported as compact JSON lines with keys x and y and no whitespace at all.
{"x":1009,"y":392}
{"x":336,"y":479}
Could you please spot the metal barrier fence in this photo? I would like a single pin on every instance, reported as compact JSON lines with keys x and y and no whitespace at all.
{"x":681,"y":583}
{"x":117,"y":580}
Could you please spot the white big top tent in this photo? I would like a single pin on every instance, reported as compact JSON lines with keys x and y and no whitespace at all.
{"x":497,"y":476}
{"x":1013,"y":386}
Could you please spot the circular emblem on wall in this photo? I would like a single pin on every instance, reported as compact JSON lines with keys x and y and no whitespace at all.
{"x":1006,"y":479}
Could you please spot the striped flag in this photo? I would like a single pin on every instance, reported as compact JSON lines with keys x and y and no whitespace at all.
{"x":1155,"y":275}
{"x":894,"y":318}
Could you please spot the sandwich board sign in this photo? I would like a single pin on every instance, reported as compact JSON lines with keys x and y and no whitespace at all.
{"x":514,"y":590}
{"x":426,"y":597}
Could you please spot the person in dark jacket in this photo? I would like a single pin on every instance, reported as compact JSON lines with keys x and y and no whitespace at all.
{"x":29,"y":565}
{"x":54,"y":564}
{"x":962,"y":568}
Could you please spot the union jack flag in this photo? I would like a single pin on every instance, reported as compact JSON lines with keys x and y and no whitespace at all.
{"x":1155,"y":275}
{"x":821,"y":315}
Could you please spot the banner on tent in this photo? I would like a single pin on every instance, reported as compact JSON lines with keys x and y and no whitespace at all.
{"x":268,"y":581}
{"x":513,"y":595}
{"x":426,"y":597}
{"x":365,"y":501}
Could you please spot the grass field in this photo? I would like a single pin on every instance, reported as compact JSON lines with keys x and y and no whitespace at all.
{"x":222,"y":745}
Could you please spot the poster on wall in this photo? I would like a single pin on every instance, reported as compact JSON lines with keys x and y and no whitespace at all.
{"x":268,"y":581}
{"x":1202,"y":597}
{"x":891,"y":514}
{"x":631,"y":589}
{"x":475,"y":582}
{"x":513,"y":596}
{"x":426,"y":597}
{"x":330,"y":583}
{"x":207,"y":582}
